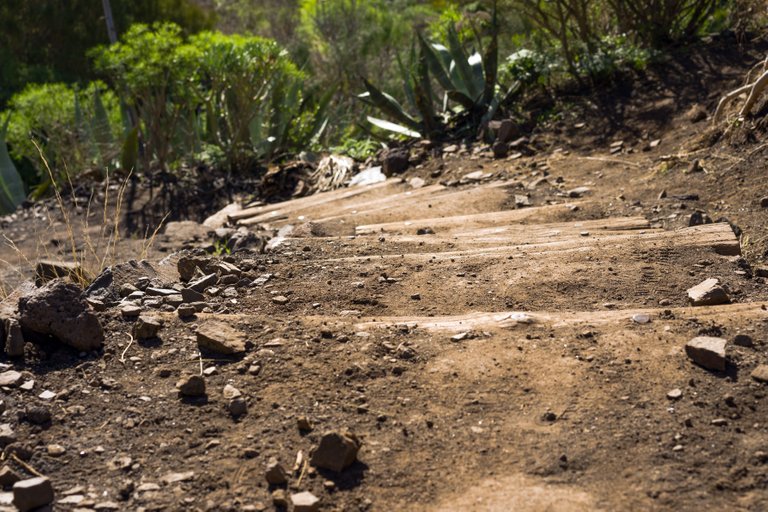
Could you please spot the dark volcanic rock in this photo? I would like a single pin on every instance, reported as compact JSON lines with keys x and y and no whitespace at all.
{"x":59,"y":309}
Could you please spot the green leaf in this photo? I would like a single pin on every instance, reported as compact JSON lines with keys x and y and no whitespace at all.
{"x":389,"y":105}
{"x":392,"y":127}
{"x":461,"y":66}
{"x":462,"y":99}
{"x":11,"y":186}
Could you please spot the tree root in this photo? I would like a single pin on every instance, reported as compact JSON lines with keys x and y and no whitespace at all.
{"x":755,"y":89}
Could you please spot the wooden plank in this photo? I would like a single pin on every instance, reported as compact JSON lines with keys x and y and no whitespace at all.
{"x":285,"y":207}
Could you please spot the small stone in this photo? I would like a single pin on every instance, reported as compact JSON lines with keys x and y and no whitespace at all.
{"x":186,"y":311}
{"x":275,"y":473}
{"x":720,"y":422}
{"x":56,"y":450}
{"x":32,"y":493}
{"x":191,"y":386}
{"x":48,"y":270}
{"x":8,"y":476}
{"x":7,"y":435}
{"x":522,"y":201}
{"x":38,"y":415}
{"x":336,"y":451}
{"x":305,"y":502}
{"x":708,"y":293}
{"x":549,"y":416}
{"x":172,"y":478}
{"x":764,"y":202}
{"x":675,"y":394}
{"x":641,"y":318}
{"x":280,"y":498}
{"x":10,"y":378}
{"x":231,"y":392}
{"x":760,"y":374}
{"x":708,"y":352}
{"x":219,"y":337}
{"x":579,"y":192}
{"x":237,"y":407}
{"x":415,"y":296}
{"x":303,"y":424}
{"x":147,"y":327}
{"x":280,"y":299}
{"x":743,"y":340}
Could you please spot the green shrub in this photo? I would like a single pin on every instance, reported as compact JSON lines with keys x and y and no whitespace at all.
{"x":75,"y":129}
{"x":156,"y":77}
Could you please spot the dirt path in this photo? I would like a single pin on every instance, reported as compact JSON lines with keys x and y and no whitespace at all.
{"x":489,"y":358}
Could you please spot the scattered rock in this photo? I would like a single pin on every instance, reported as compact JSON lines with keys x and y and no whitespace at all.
{"x":303,"y":424}
{"x":708,"y":352}
{"x":237,"y":407}
{"x":172,"y":478}
{"x":275,"y":473}
{"x":199,"y":285}
{"x":280,"y":498}
{"x":191,"y":386}
{"x":8,"y":477}
{"x":186,"y":311}
{"x":56,"y":450}
{"x":696,"y":114}
{"x":743,"y":340}
{"x":641,"y":318}
{"x":395,"y":161}
{"x":305,"y":502}
{"x":130,"y":311}
{"x":7,"y":435}
{"x":280,"y":299}
{"x":190,"y":295}
{"x":10,"y":378}
{"x":708,"y":293}
{"x":760,"y":374}
{"x":500,"y":149}
{"x":522,"y":201}
{"x":60,"y":309}
{"x":579,"y":192}
{"x":675,"y":394}
{"x":336,"y":451}
{"x":764,"y":202}
{"x":38,"y":414}
{"x":219,"y":337}
{"x":147,"y":327}
{"x":231,"y":392}
{"x":32,"y":493}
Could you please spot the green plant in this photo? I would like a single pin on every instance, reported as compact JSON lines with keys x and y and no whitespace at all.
{"x":11,"y":187}
{"x":471,"y":94}
{"x":76,"y":129}
{"x":155,"y":75}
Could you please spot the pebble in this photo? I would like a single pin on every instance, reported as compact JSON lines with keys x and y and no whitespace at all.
{"x":336,"y":451}
{"x":219,"y":337}
{"x":186,"y":311}
{"x":743,"y":340}
{"x":56,"y":450}
{"x":641,"y":318}
{"x":47,"y":395}
{"x":760,"y":374}
{"x":32,"y":493}
{"x":708,"y":293}
{"x":11,"y":378}
{"x":172,"y":478}
{"x":280,"y":498}
{"x":8,"y":476}
{"x":7,"y":435}
{"x":275,"y":473}
{"x":130,"y":311}
{"x":303,"y":424}
{"x":147,"y":327}
{"x":708,"y":352}
{"x":305,"y":502}
{"x":191,"y":386}
{"x":720,"y":422}
{"x":280,"y":299}
{"x":237,"y":407}
{"x":675,"y":394}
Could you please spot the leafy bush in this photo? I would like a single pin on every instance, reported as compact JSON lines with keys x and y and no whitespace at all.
{"x":75,"y":129}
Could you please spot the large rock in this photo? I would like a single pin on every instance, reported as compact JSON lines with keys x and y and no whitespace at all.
{"x":32,"y":493}
{"x":760,"y":374}
{"x":336,"y":451}
{"x":305,"y":502}
{"x":219,"y":337}
{"x":708,"y":352}
{"x":48,"y":270}
{"x":708,"y":293}
{"x":59,"y":309}
{"x":106,"y":286}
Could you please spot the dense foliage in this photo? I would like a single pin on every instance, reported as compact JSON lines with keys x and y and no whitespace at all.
{"x":178,"y":94}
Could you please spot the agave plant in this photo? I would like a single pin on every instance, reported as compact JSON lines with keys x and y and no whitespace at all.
{"x":471,"y":95}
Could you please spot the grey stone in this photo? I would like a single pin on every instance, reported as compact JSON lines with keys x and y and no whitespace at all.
{"x":10,"y":378}
{"x":708,"y":352}
{"x":190,"y":295}
{"x":336,"y":451}
{"x":147,"y":327}
{"x":199,"y":285}
{"x":760,"y":374}
{"x":130,"y":311}
{"x":237,"y":407}
{"x":219,"y":337}
{"x":191,"y":386}
{"x":579,"y":192}
{"x":60,"y":309}
{"x":8,"y":476}
{"x":7,"y":435}
{"x":708,"y":293}
{"x":275,"y":473}
{"x":161,"y":292}
{"x":186,"y":311}
{"x":32,"y":493}
{"x":305,"y":502}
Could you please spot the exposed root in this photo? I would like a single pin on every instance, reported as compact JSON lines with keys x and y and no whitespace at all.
{"x":755,"y":89}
